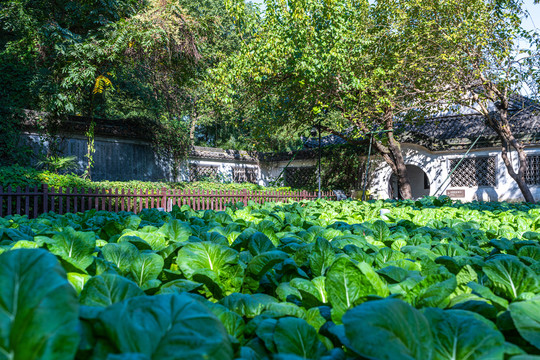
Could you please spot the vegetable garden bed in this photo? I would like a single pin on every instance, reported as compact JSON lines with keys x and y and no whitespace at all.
{"x":314,"y":280}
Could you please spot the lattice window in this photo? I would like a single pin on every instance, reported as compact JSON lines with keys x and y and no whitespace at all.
{"x":300,"y":177}
{"x":532,"y":176}
{"x":247,"y":174}
{"x":478,"y":171}
{"x":200,"y":173}
{"x":342,"y":174}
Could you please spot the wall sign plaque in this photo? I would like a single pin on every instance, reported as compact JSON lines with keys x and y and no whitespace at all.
{"x":460,"y":193}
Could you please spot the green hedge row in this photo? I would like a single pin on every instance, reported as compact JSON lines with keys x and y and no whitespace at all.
{"x":16,"y":175}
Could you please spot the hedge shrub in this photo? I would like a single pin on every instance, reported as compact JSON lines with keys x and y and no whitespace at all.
{"x":16,"y":175}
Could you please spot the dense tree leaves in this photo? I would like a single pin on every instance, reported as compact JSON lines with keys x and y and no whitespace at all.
{"x":115,"y":60}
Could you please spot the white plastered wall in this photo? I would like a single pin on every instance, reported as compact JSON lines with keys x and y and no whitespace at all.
{"x":437,"y":166}
{"x":271,"y":170}
{"x":224,"y":167}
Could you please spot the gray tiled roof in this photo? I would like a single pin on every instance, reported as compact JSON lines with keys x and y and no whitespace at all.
{"x":328,"y":140}
{"x":455,"y":131}
{"x":459,"y":131}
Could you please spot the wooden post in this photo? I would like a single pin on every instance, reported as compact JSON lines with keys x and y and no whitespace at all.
{"x":164,"y":198}
{"x":9,"y":210}
{"x":96,"y":197}
{"x":68,"y":199}
{"x":103,"y":193}
{"x":45,"y":190}
{"x":90,"y":199}
{"x":122,"y":200}
{"x":53,"y":199}
{"x":83,"y":200}
{"x":109,"y":199}
{"x":18,"y":200}
{"x":27,"y":201}
{"x":245,"y":194}
{"x":75,"y":200}
{"x":60,"y":201}
{"x":35,"y":202}
{"x":116,"y":200}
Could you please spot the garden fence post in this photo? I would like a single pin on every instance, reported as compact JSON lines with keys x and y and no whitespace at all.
{"x":164,"y":199}
{"x":45,"y":190}
{"x":245,"y":197}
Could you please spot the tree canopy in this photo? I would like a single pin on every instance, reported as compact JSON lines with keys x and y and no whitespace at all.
{"x":115,"y":59}
{"x":358,"y":67}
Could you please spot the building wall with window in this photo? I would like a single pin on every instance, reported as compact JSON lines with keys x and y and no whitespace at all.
{"x":479,"y":175}
{"x":295,"y":173}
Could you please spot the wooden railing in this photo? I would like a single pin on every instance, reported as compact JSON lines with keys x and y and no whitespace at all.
{"x":33,"y":201}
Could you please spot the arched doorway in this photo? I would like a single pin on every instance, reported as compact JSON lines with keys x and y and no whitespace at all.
{"x":420,"y":184}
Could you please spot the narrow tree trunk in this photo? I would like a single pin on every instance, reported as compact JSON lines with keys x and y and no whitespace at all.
{"x":518,"y":177}
{"x":90,"y":150}
{"x":394,"y":157}
{"x":192,"y":126}
{"x":391,"y":154}
{"x":192,"y":131}
{"x":194,"y":121}
{"x":502,"y":128}
{"x":404,"y":185}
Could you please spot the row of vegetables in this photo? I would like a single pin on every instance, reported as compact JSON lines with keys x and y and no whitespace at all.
{"x":309,"y":280}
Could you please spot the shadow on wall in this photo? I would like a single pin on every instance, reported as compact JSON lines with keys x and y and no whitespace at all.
{"x":513,"y":194}
{"x":486,"y":194}
{"x":113,"y":160}
{"x":422,"y":180}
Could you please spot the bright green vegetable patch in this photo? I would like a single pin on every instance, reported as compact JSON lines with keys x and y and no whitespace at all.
{"x":321,"y":280}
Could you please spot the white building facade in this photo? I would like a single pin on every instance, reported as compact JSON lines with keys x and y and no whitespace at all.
{"x":478,"y":175}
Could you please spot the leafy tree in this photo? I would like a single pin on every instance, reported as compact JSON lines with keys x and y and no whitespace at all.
{"x":497,"y":63}
{"x":115,"y":59}
{"x":350,"y":67}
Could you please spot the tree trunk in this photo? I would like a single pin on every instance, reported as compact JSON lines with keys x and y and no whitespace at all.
{"x":394,"y":157}
{"x":192,"y":126}
{"x":404,"y":185}
{"x":391,"y":154}
{"x":502,"y":128}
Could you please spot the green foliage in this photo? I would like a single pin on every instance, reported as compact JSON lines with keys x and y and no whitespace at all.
{"x":11,"y":150}
{"x":113,"y":60}
{"x":439,"y":280}
{"x":403,"y":333}
{"x":22,"y":176}
{"x":164,"y":326}
{"x":17,"y":175}
{"x":39,"y":307}
{"x":525,"y":316}
{"x":57,"y":164}
{"x":345,"y":65}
